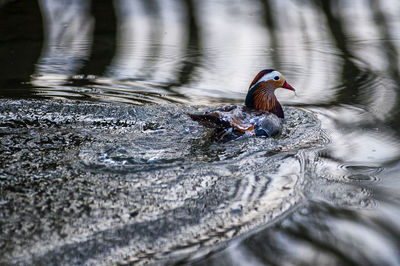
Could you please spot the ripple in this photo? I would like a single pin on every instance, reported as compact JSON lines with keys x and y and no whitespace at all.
{"x":143,"y":183}
{"x":92,"y":88}
{"x":361,"y":173}
{"x":362,"y":178}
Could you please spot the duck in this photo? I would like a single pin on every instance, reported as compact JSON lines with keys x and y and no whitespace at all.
{"x":261,"y":115}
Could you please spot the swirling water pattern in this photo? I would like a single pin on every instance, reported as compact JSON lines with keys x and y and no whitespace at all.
{"x":138,"y":190}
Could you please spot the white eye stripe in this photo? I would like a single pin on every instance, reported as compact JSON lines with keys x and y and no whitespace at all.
{"x":269,"y":76}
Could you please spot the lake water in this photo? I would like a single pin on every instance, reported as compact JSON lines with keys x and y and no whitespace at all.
{"x":100,"y":164}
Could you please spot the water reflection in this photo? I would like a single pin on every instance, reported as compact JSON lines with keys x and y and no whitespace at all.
{"x":68,"y":37}
{"x":311,"y":236}
{"x":342,"y":56}
{"x":19,"y":49}
{"x":207,"y":50}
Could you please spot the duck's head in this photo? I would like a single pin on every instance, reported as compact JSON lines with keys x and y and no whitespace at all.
{"x":261,"y":91}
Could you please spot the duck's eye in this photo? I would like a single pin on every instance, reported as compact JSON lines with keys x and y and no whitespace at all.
{"x":276,"y":78}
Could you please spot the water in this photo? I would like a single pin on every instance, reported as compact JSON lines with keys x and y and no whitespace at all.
{"x":101,"y":164}
{"x":139,"y":188}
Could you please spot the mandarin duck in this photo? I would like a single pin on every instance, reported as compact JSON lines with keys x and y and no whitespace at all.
{"x":261,"y":115}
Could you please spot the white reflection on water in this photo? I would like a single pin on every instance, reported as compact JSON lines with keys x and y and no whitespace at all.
{"x":354,"y":139}
{"x":139,"y":34}
{"x":68,"y":28}
{"x":374,"y":242}
{"x":233,"y":45}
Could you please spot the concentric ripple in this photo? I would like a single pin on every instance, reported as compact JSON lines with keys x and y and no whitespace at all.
{"x":103,"y":184}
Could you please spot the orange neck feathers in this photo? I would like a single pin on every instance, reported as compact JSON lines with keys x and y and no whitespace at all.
{"x":261,"y":97}
{"x":264,"y":99}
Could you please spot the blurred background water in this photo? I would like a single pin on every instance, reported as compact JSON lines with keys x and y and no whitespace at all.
{"x":83,"y":82}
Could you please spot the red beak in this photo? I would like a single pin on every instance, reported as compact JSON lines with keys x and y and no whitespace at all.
{"x":287,"y":86}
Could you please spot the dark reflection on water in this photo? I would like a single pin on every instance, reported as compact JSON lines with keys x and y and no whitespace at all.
{"x":104,"y":41}
{"x":21,"y":38}
{"x":342,"y":56}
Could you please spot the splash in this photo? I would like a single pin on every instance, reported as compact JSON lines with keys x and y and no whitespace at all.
{"x":103,"y":183}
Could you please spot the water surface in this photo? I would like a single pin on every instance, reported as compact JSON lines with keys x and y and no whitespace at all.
{"x":99,"y":162}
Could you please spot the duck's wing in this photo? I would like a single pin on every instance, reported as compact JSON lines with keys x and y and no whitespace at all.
{"x":211,"y":120}
{"x":219,"y":118}
{"x":219,"y":121}
{"x":226,"y":117}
